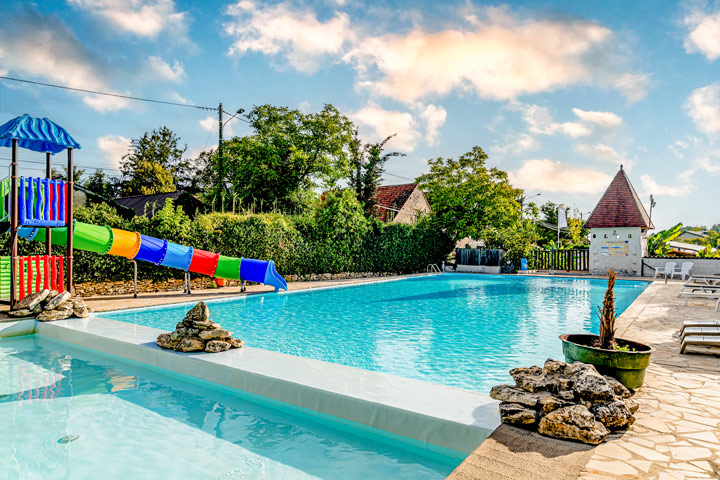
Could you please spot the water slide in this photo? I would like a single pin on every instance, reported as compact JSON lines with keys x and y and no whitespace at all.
{"x":135,"y":246}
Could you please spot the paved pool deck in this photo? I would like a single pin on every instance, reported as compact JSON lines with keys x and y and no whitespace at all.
{"x":676,"y":434}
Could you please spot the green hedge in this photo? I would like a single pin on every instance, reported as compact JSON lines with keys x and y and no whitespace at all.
{"x":337,"y":238}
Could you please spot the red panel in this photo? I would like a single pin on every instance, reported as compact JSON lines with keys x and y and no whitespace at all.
{"x":204,"y":262}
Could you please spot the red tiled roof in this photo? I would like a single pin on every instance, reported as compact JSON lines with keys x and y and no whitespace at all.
{"x":619,"y":206}
{"x":393,"y":196}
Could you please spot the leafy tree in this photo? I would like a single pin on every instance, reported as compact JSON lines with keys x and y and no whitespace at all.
{"x":576,"y":233}
{"x":154,"y":164}
{"x":657,"y":242}
{"x":367,"y":164}
{"x":288,"y":153}
{"x":469,"y":199}
{"x":103,"y":185}
{"x":62,"y":175}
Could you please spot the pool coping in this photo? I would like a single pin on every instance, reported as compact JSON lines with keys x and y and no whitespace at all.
{"x":441,"y":419}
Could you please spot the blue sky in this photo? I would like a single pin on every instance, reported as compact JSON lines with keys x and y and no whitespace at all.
{"x":558,"y":93}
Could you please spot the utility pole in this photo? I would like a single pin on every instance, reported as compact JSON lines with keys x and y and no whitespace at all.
{"x":221,"y":166}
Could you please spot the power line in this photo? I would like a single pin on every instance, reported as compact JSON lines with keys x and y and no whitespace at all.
{"x":398,"y":176}
{"x":107,"y":94}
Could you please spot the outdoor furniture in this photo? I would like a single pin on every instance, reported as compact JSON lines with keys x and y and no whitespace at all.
{"x":684,"y":270}
{"x":703,"y":280}
{"x":704,"y":331}
{"x":693,"y":285}
{"x":669,"y":269}
{"x":700,"y":341}
{"x":712,"y":293}
{"x":700,"y":323}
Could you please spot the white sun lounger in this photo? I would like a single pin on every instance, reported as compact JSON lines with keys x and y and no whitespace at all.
{"x":703,"y":280}
{"x":700,"y":341}
{"x":700,"y":323}
{"x":711,"y":293}
{"x":704,"y":331}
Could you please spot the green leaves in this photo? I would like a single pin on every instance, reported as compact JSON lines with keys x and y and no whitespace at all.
{"x":154,"y":164}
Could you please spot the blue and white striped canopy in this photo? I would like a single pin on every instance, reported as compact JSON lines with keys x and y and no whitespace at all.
{"x":37,"y":134}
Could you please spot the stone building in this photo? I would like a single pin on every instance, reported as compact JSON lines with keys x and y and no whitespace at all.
{"x":618,"y":230}
{"x":400,"y":203}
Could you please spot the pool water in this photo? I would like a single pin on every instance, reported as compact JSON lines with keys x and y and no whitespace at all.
{"x":459,"y":330}
{"x":132,"y":422}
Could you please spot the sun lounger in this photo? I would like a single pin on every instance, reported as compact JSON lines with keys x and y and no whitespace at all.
{"x":703,"y":280}
{"x":700,"y":323}
{"x":700,"y":341}
{"x":711,"y":293}
{"x":705,"y":331}
{"x":698,"y":287}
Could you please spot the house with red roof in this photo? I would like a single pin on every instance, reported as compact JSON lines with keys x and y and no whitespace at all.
{"x":400,"y":203}
{"x":618,"y":229}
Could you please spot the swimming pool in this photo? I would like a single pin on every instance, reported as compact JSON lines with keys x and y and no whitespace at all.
{"x":459,"y":330}
{"x":132,"y":422}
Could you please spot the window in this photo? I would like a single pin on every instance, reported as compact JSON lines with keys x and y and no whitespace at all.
{"x":594,"y":236}
{"x":606,"y":235}
{"x":629,"y":235}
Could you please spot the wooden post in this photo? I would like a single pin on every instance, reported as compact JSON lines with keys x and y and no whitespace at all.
{"x":69,"y":221}
{"x":13,"y":221}
{"x":48,"y":171}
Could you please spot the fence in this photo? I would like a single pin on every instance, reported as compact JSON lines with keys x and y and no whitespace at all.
{"x":576,"y":259}
{"x":478,"y":256}
{"x":34,"y":273}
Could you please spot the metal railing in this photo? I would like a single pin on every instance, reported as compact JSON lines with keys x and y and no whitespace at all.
{"x":432,"y":268}
{"x":576,"y":259}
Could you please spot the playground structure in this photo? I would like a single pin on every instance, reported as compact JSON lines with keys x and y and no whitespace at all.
{"x":41,"y":209}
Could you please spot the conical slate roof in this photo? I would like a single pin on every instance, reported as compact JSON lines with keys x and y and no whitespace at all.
{"x":619,"y":206}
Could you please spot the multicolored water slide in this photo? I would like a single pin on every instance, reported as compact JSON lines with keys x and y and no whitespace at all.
{"x":135,"y":246}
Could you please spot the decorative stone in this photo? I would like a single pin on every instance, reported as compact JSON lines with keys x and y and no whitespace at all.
{"x":516,"y":414}
{"x":593,"y":387}
{"x":165,"y":341}
{"x":218,"y":334}
{"x":199,"y":313}
{"x":568,"y":395}
{"x":29,"y":302}
{"x":190,"y":344}
{"x":236,"y":343}
{"x":631,"y":405}
{"x":52,"y":315}
{"x":508,"y":393}
{"x":58,"y":300}
{"x":573,"y":423}
{"x":38,"y":308}
{"x":550,"y":402}
{"x":618,"y":388}
{"x":537,"y":383}
{"x":553,"y":367}
{"x":179,"y":334}
{"x":205,"y":325}
{"x":214,"y":346}
{"x":21,"y":313}
{"x":80,"y":309}
{"x":614,"y":415}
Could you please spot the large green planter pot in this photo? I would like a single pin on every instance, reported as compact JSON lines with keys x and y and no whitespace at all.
{"x":627,"y":367}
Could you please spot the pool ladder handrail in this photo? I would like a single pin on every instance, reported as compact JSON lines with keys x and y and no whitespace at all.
{"x":432,"y":268}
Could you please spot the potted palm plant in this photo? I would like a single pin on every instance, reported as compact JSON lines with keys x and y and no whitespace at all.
{"x":623,"y":359}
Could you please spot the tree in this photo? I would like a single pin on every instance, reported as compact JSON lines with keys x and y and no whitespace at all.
{"x":103,"y":185}
{"x":62,"y":175}
{"x":154,"y":164}
{"x":288,"y":154}
{"x":367,"y":164}
{"x":576,"y":232}
{"x":469,"y":199}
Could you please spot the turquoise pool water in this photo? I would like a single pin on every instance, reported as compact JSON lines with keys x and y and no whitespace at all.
{"x":132,"y":422}
{"x":460,"y":330}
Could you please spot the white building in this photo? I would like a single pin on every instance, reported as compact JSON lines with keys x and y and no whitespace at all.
{"x":618,"y":230}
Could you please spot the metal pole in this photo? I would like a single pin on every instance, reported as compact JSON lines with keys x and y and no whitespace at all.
{"x":69,"y":221}
{"x":48,"y":171}
{"x":221,"y":166}
{"x":14,"y":217}
{"x":134,"y":278}
{"x":187,"y":282}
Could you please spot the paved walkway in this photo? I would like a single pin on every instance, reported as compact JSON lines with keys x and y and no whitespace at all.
{"x":677,"y":431}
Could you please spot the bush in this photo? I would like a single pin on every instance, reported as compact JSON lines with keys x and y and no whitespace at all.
{"x":335,"y":238}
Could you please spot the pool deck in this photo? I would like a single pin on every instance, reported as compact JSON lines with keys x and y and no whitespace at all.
{"x":676,"y":434}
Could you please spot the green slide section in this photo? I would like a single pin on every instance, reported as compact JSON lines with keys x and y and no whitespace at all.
{"x":92,"y":238}
{"x":228,"y":267}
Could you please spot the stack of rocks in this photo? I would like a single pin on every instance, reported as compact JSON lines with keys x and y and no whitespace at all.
{"x":48,"y":305}
{"x":196,"y":333}
{"x":568,"y":401}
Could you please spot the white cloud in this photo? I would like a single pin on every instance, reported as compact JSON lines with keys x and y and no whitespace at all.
{"x":377,"y":124}
{"x":704,"y":35}
{"x":515,"y":144}
{"x":553,"y":176}
{"x":210,"y":124}
{"x":633,"y":85}
{"x":495,"y":54}
{"x":703,"y":106}
{"x":281,"y":29}
{"x":602,"y":119}
{"x":38,"y":46}
{"x":599,"y":151}
{"x":680,"y":189}
{"x":434,"y":117}
{"x":143,"y":18}
{"x":540,"y":120}
{"x":174,"y":73}
{"x":113,"y":147}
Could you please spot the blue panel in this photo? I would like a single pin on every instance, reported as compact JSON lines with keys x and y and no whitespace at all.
{"x":177,"y":256}
{"x":253,"y":270}
{"x":27,"y":232}
{"x":151,"y":249}
{"x":273,"y":278}
{"x":37,"y":134}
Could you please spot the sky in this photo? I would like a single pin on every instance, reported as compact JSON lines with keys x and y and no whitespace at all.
{"x":558,"y":93}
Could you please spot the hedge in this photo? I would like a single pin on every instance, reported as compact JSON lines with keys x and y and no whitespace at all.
{"x":333,"y":240}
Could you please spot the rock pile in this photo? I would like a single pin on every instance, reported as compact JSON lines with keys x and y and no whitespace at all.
{"x":567,"y":401}
{"x":48,"y":305}
{"x":196,"y":333}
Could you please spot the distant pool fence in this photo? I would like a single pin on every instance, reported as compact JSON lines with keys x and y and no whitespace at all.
{"x":575,"y":260}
